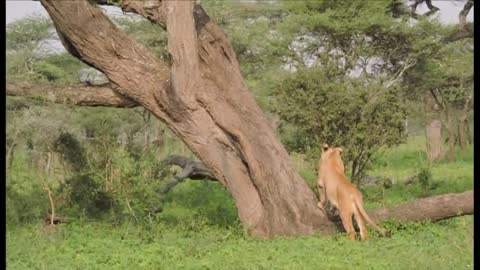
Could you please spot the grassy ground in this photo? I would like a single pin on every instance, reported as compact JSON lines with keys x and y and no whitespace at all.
{"x":198,"y":229}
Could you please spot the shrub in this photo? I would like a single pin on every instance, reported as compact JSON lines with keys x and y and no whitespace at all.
{"x":316,"y":107}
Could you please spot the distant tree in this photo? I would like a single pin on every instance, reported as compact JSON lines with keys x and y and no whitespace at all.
{"x":447,"y":82}
{"x":359,"y":116}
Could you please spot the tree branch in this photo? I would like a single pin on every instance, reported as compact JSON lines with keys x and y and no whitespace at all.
{"x":195,"y":170}
{"x":399,"y":74}
{"x":198,"y":171}
{"x":81,"y":95}
{"x":432,"y":9}
{"x":111,"y":51}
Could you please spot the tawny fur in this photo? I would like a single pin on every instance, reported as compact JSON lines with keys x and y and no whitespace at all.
{"x":334,"y":186}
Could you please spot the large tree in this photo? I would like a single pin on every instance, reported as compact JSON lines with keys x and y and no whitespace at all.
{"x":201,"y":96}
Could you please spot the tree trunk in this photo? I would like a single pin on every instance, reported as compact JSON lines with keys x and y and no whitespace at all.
{"x":462,"y":17}
{"x":431,"y":208}
{"x":462,"y":129}
{"x":202,"y":97}
{"x":433,"y":129}
{"x":469,"y":133}
{"x":451,"y":135}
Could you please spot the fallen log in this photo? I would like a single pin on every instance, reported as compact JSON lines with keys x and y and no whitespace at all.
{"x":431,"y":208}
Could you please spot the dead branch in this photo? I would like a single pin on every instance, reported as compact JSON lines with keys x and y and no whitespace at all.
{"x":52,"y":205}
{"x":410,"y":63}
{"x":194,"y":170}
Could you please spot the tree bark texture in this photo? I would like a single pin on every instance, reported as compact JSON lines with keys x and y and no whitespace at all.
{"x":452,"y":135}
{"x":81,"y":95}
{"x":203,"y":99}
{"x":433,"y":128}
{"x":463,"y":124}
{"x":431,"y":208}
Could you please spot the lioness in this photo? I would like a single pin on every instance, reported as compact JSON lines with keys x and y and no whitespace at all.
{"x":335,"y":186}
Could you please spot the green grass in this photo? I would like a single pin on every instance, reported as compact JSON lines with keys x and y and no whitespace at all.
{"x":199,"y":229}
{"x":446,"y":245}
{"x":406,"y":159}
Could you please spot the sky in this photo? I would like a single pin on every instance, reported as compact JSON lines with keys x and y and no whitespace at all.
{"x":17,"y":9}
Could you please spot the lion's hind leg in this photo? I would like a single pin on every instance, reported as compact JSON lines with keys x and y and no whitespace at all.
{"x":346,"y":216}
{"x":360,"y":222}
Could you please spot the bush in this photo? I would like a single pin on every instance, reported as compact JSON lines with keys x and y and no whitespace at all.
{"x":316,"y":107}
{"x":87,"y":194}
{"x":25,"y":199}
{"x":49,"y":71}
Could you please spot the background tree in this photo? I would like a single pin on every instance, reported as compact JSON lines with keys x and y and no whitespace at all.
{"x":447,"y":80}
{"x":358,"y":116}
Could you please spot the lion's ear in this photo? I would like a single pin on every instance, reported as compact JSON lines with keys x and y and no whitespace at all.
{"x":325,"y":147}
{"x":340,"y":150}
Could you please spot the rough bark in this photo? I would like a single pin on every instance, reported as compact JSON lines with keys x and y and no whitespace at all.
{"x":81,"y":95}
{"x":451,"y":135}
{"x":192,"y":169}
{"x":462,"y":129}
{"x":463,"y":124}
{"x":203,"y":99}
{"x":431,"y":208}
{"x":433,"y":128}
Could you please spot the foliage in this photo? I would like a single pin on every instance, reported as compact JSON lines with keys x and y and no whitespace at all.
{"x":27,"y":33}
{"x":449,"y":74}
{"x":189,"y":232}
{"x":356,"y":35}
{"x":318,"y":108}
{"x":71,"y":150}
{"x":26,"y":200}
{"x":48,"y":71}
{"x":425,"y":178}
{"x":88,"y":195}
{"x":27,"y":61}
{"x":101,"y":167}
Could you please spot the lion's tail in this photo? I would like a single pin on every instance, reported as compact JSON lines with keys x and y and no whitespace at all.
{"x":359,"y":204}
